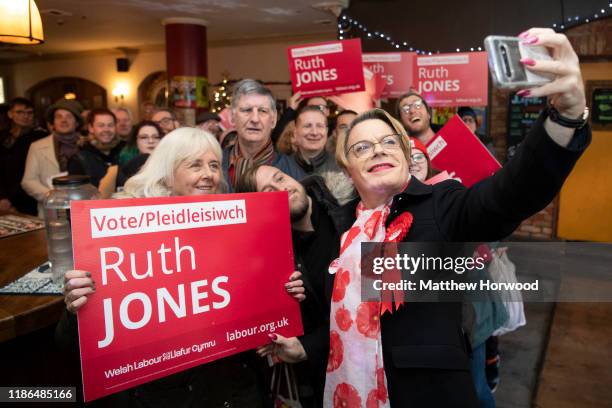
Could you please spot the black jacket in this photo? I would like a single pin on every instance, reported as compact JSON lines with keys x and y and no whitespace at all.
{"x":12,"y":166}
{"x":313,"y":252}
{"x":92,"y":162}
{"x":424,"y":349}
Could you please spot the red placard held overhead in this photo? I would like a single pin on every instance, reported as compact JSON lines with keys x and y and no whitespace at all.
{"x":459,"y":79}
{"x":395,"y":67}
{"x":458,"y":151}
{"x":180,"y":282}
{"x":328,"y":68}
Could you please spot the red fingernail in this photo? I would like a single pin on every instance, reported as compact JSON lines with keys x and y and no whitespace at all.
{"x":272,"y":336}
{"x":524,"y":34}
{"x":524,"y":93}
{"x":530,"y":40}
{"x":528,"y":61}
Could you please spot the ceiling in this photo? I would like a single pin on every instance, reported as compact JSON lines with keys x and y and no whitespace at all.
{"x":83,"y":25}
{"x":440,"y":25}
{"x":445,"y":25}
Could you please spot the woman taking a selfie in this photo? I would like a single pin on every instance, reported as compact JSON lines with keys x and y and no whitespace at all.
{"x":418,"y":355}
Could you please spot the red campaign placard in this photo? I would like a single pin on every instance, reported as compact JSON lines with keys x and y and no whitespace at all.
{"x":457,"y":150}
{"x":395,"y":68}
{"x":459,"y":79}
{"x":180,"y":281}
{"x":328,"y":68}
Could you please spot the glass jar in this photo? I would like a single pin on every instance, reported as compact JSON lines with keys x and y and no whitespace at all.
{"x":57,"y":220}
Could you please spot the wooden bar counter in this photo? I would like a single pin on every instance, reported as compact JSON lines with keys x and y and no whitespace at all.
{"x":21,"y":314}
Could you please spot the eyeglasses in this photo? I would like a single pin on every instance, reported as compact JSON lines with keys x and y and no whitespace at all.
{"x":416,"y":105}
{"x":418,"y":158}
{"x":24,"y":113}
{"x":365,"y":148}
{"x":149,"y":138}
{"x":322,"y":108}
{"x":164,"y":121}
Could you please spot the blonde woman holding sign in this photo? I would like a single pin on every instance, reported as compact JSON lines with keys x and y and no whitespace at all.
{"x":186,"y":162}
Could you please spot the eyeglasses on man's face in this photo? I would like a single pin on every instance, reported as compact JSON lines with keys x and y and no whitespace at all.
{"x":365,"y":148}
{"x":416,"y":105}
{"x":24,"y":112}
{"x":163,"y":121}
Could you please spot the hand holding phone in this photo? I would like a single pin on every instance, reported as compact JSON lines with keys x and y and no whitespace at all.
{"x":505,"y":55}
{"x":566,"y":90}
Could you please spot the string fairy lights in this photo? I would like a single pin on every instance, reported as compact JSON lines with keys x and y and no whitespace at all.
{"x":348,"y":25}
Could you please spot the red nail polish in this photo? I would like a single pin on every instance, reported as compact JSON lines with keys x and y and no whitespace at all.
{"x":528,"y":61}
{"x":272,"y":336}
{"x":530,"y":40}
{"x":524,"y":93}
{"x":524,"y":34}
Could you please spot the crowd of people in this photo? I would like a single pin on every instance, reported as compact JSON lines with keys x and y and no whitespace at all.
{"x":350,"y":178}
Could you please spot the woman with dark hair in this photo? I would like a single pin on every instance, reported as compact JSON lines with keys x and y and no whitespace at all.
{"x":420,"y":163}
{"x":144,"y":138}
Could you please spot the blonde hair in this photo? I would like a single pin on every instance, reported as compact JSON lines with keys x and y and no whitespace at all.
{"x":342,"y":141}
{"x":157,"y":174}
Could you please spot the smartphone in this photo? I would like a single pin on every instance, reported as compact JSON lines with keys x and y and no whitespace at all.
{"x":504,"y":55}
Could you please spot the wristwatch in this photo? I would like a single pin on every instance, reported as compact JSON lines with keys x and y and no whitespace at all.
{"x":555,"y":116}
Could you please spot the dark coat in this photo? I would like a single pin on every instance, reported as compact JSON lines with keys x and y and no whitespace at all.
{"x":12,"y":166}
{"x":313,"y":252}
{"x":92,"y":162}
{"x":425,"y":352}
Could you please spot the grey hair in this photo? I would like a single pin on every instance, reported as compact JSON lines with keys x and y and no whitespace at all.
{"x":157,"y":174}
{"x":248,"y":87}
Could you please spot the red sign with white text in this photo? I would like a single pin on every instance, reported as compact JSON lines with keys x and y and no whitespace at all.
{"x":458,"y":151}
{"x":328,"y":68}
{"x":459,"y":79}
{"x":395,"y":68}
{"x":180,"y":281}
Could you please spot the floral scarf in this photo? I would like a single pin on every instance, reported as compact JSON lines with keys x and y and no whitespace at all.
{"x":355,"y":369}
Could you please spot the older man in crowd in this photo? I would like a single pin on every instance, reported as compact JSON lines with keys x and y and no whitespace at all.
{"x":211,"y":122}
{"x":124,"y":123}
{"x":310,"y":140}
{"x":343,"y":121}
{"x":102,"y":150}
{"x":166,"y":119}
{"x":48,"y":157}
{"x":253,"y":113}
{"x":14,"y":144}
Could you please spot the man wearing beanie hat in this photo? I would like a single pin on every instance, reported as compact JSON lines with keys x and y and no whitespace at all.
{"x":48,"y":157}
{"x":210,"y":122}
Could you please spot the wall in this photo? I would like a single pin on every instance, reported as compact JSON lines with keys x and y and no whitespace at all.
{"x":585,"y":203}
{"x":264,"y":59}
